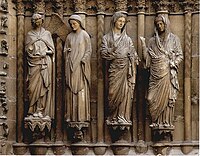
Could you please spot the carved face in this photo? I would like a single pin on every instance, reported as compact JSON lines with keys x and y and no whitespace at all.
{"x":37,"y":22}
{"x":160,"y":26}
{"x":75,"y":25}
{"x":119,"y":24}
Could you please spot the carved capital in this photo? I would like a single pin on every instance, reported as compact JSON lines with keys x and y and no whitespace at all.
{"x":121,"y":5}
{"x":32,"y":122}
{"x":161,"y":5}
{"x":58,"y":6}
{"x":101,"y":6}
{"x":39,"y":6}
{"x":188,"y":5}
{"x":141,"y":6}
{"x":79,"y":5}
{"x":20,"y":8}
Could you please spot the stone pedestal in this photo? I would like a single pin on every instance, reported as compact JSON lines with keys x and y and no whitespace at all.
{"x":162,"y":136}
{"x":39,"y":128}
{"x":76,"y":135}
{"x":119,"y":136}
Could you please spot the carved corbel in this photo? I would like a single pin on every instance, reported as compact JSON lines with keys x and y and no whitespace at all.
{"x":119,"y":135}
{"x":76,"y":134}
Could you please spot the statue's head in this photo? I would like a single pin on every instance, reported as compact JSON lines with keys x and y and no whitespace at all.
{"x":37,"y":20}
{"x":118,"y":20}
{"x":162,"y":24}
{"x":75,"y":22}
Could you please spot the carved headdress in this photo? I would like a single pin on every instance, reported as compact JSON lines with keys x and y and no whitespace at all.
{"x":78,"y":19}
{"x":166,"y":22}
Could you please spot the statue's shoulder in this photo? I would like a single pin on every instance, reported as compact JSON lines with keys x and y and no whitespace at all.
{"x":152,"y":40}
{"x":107,"y":36}
{"x":85,"y":34}
{"x":174,"y":37}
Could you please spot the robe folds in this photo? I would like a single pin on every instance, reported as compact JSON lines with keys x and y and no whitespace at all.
{"x":40,"y":50}
{"x":163,"y":60}
{"x":77,"y":74}
{"x":120,"y":54}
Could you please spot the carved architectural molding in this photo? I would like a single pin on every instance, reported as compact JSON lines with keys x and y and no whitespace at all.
{"x":3,"y":101}
{"x":121,"y":5}
{"x":4,"y":6}
{"x":190,"y":5}
{"x":58,"y":6}
{"x":161,"y":5}
{"x":4,"y":24}
{"x":20,"y":8}
{"x":79,"y":5}
{"x":4,"y":47}
{"x":141,"y":6}
{"x":101,"y":5}
{"x":3,"y":111}
{"x":5,"y":130}
{"x":39,"y":6}
{"x":33,"y":122}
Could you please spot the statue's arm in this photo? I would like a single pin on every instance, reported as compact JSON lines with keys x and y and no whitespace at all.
{"x":107,"y":52}
{"x":88,"y":50}
{"x":145,"y":54}
{"x":144,"y":48}
{"x":179,"y":52}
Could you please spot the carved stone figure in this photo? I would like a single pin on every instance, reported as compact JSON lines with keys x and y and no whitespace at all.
{"x":163,"y":57}
{"x":4,"y":5}
{"x":40,"y":57}
{"x":4,"y":24}
{"x":77,"y":53}
{"x":4,"y":47}
{"x":117,"y":48}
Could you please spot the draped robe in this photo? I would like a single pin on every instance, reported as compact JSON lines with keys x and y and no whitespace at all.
{"x":163,"y":81}
{"x":121,"y":74}
{"x":40,"y":50}
{"x":77,"y":73}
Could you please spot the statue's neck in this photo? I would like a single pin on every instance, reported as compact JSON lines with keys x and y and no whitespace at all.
{"x":117,"y":31}
{"x":38,"y":29}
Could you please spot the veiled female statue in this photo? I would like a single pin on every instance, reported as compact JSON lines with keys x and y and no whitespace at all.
{"x":117,"y":48}
{"x":162,"y":57}
{"x":77,"y":52}
{"x":40,"y":56}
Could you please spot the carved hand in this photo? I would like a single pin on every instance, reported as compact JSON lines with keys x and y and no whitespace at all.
{"x":49,"y":52}
{"x":143,"y":41}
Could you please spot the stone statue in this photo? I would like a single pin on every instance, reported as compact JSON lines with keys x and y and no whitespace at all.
{"x":77,"y":53}
{"x":117,"y":48}
{"x":40,"y":56}
{"x":163,"y":57}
